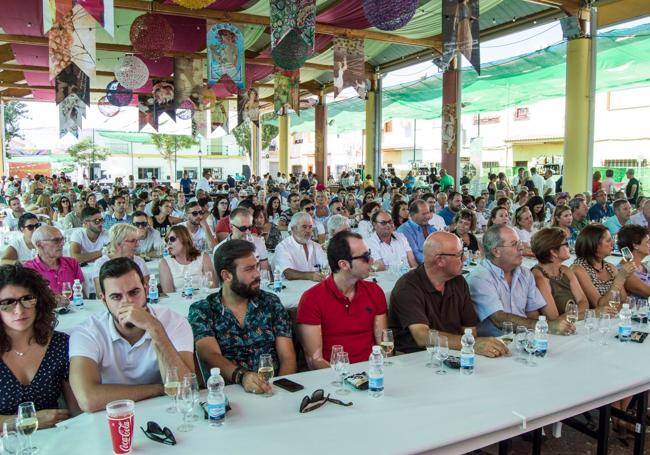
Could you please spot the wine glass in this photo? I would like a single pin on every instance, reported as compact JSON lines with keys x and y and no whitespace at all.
{"x":265,"y":371}
{"x":442,"y":353}
{"x":643,"y":309}
{"x":604,"y":325}
{"x":10,"y":440}
{"x":614,"y":299}
{"x":531,"y":347}
{"x":431,"y":346}
{"x":171,"y":387}
{"x":333,"y":361}
{"x":387,"y":345}
{"x":264,"y":279}
{"x":27,"y":424}
{"x":590,"y":323}
{"x":571,"y":312}
{"x":507,"y":332}
{"x":325,"y":270}
{"x":66,"y":290}
{"x":185,"y":403}
{"x":343,"y":368}
{"x":191,"y":377}
{"x":520,"y":344}
{"x":208,"y":281}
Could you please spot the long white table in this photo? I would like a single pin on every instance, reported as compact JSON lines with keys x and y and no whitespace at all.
{"x":421,"y":412}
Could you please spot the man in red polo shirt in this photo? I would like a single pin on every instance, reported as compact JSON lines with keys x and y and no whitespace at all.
{"x":343,"y":309}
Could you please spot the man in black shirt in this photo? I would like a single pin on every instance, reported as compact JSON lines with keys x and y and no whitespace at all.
{"x":632,"y":188}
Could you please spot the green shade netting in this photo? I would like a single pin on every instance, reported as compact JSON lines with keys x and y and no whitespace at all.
{"x":623,"y":62}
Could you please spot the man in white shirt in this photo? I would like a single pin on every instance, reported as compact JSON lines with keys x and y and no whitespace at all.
{"x":549,"y":186}
{"x":298,"y":257}
{"x":204,"y":182}
{"x":150,"y":243}
{"x":198,"y":226}
{"x":388,"y":248}
{"x":241,"y":224}
{"x":436,"y":220}
{"x":86,"y":243}
{"x":538,"y":180}
{"x":13,"y":213}
{"x":642,"y":216}
{"x":516,"y":180}
{"x":125,"y":351}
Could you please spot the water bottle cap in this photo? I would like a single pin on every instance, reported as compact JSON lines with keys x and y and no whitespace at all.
{"x":468,"y":331}
{"x":542,"y":318}
{"x":77,"y":281}
{"x":626,"y":306}
{"x":376,"y":349}
{"x":215,"y":371}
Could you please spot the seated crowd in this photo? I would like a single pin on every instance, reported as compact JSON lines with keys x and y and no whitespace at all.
{"x":335,"y":237}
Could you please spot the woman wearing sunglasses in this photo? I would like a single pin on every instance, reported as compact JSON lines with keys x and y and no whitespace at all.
{"x":34,"y":364}
{"x":21,"y":248}
{"x":183,"y":258}
{"x":63,"y":207}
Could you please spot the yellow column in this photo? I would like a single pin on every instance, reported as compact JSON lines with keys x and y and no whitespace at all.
{"x":255,"y":148}
{"x":369,"y":159}
{"x":576,"y":175}
{"x":284,"y":144}
{"x":3,"y":152}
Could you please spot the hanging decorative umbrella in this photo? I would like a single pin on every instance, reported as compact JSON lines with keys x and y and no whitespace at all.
{"x":118,"y":95}
{"x":194,"y":4}
{"x":151,"y":35}
{"x":106,"y":108}
{"x":131,"y":72}
{"x":389,"y":14}
{"x":292,"y":52}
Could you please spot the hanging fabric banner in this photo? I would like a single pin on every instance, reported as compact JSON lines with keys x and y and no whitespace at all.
{"x":248,"y":106}
{"x":163,"y":100}
{"x":101,"y":10}
{"x":225,"y":44}
{"x":287,"y":91}
{"x":204,"y":100}
{"x":200,"y":123}
{"x":146,"y":114}
{"x":287,"y":15}
{"x":72,"y":81}
{"x":71,"y":111}
{"x":72,"y":40}
{"x":460,"y":32}
{"x":219,"y":116}
{"x":349,"y":66}
{"x":188,"y":80}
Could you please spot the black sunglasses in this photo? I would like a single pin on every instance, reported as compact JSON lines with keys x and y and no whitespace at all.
{"x":171,"y":239}
{"x":309,"y":209}
{"x":243,"y":228}
{"x":155,"y":433}
{"x":200,"y":212}
{"x":318,"y":399}
{"x":140,"y":224}
{"x":365,"y":257}
{"x":31,"y":227}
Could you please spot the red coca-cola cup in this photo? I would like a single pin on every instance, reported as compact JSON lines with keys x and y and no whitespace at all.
{"x":120,"y":424}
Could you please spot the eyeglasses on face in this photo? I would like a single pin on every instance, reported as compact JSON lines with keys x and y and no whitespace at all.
{"x":157,"y":434}
{"x":309,"y":209}
{"x":517,"y":245}
{"x":384,"y":223}
{"x":55,"y":240}
{"x":243,"y":228}
{"x":365,"y":257}
{"x":31,"y":227}
{"x":197,"y":212}
{"x":26,"y":301}
{"x":459,"y":255}
{"x":140,"y":224}
{"x":171,"y":239}
{"x":96,"y":221}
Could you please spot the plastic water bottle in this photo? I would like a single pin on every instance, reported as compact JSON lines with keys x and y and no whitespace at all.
{"x":403,"y":267}
{"x":153,"y":289}
{"x":216,"y":398}
{"x":277,"y":280}
{"x":541,"y":337}
{"x":77,"y":293}
{"x":165,"y":253}
{"x":625,"y":324}
{"x":376,"y":373}
{"x":467,"y":353}
{"x":466,"y":257}
{"x":188,"y":289}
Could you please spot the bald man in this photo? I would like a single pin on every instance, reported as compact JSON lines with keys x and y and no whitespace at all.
{"x":436,"y":296}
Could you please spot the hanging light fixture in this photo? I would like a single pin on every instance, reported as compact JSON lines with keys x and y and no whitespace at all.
{"x":389,"y":15}
{"x":194,"y":4}
{"x":151,"y":36}
{"x":131,"y":72}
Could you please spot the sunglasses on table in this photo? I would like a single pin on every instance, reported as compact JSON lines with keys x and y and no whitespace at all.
{"x":365,"y":257}
{"x":318,"y":399}
{"x":141,"y":224}
{"x":27,"y":302}
{"x":157,"y":434}
{"x":31,"y":227}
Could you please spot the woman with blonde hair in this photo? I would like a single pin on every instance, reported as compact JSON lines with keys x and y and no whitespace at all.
{"x":562,"y":218}
{"x":184,"y":258}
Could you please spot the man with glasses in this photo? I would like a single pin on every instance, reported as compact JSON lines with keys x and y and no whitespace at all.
{"x":198,"y":226}
{"x":22,"y":248}
{"x":126,"y":351}
{"x":50,"y":262}
{"x":344,"y":309}
{"x":241,"y":225}
{"x":502,"y":290}
{"x":435,"y":296}
{"x":86,"y":244}
{"x":294,"y":207}
{"x":119,"y":214}
{"x":298,"y":257}
{"x":73,"y":219}
{"x":388,"y":247}
{"x":150,"y":243}
{"x":417,"y":228}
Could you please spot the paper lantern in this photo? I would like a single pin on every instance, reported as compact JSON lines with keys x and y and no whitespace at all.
{"x":131,"y":72}
{"x":106,"y":108}
{"x":117,"y":95}
{"x":292,"y":52}
{"x":151,"y":36}
{"x":389,"y":14}
{"x":185,"y":110}
{"x":194,"y":4}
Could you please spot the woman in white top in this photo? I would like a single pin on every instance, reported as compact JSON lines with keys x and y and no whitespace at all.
{"x":184,"y":258}
{"x":122,"y":242}
{"x":523,"y":224}
{"x":365,"y":225}
{"x":21,"y":248}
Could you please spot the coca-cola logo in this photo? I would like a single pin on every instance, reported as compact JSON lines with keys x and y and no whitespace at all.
{"x":124,"y":430}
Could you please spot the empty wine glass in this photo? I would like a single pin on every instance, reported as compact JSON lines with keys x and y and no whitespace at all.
{"x":10,"y":439}
{"x":591,"y":322}
{"x":27,"y":424}
{"x":531,"y":347}
{"x":208,"y":281}
{"x":442,"y":353}
{"x":431,"y":346}
{"x":387,"y":345}
{"x":343,"y":368}
{"x":185,"y":403}
{"x":191,"y":377}
{"x":333,"y":360}
{"x":264,"y":279}
{"x":171,"y":387}
{"x":520,"y":344}
{"x":604,"y":325}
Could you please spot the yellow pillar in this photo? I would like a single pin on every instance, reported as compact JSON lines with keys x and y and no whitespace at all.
{"x":3,"y":152}
{"x":255,"y":148}
{"x":576,"y":175}
{"x":284,"y":144}
{"x":369,"y":159}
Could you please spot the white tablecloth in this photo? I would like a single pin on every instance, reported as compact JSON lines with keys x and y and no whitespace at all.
{"x":89,"y":286}
{"x":421,"y":412}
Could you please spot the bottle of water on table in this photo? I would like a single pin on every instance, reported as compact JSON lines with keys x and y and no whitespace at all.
{"x":376,"y":373}
{"x":188,"y":289}
{"x":467,"y":353}
{"x":403,"y":267}
{"x":541,"y":337}
{"x":77,"y":293}
{"x":153,"y":290}
{"x":216,"y":398}
{"x":277,"y":281}
{"x":625,"y":324}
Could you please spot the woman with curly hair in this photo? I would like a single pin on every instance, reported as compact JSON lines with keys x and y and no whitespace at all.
{"x":34,"y":364}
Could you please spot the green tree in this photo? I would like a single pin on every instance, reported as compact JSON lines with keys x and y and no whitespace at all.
{"x":86,"y":152}
{"x":242,"y":135}
{"x":168,"y":144}
{"x":14,"y":112}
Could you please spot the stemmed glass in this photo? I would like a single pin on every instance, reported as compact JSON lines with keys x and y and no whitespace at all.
{"x":507,"y":332}
{"x":603,"y":327}
{"x":185,"y":403}
{"x":66,"y":290}
{"x":520,"y":344}
{"x":643,"y":309}
{"x":264,"y":279}
{"x":325,"y":269}
{"x":387,"y":345}
{"x":442,"y":353}
{"x":571,"y":312}
{"x":431,"y":346}
{"x":208,"y":283}
{"x":531,"y":347}
{"x":191,"y":377}
{"x":615,"y":299}
{"x":27,"y":424}
{"x":590,"y":323}
{"x":333,"y":361}
{"x":343,"y":368}
{"x":10,"y":440}
{"x":266,"y":371}
{"x":171,"y":387}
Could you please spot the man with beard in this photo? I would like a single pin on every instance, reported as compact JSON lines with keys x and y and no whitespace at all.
{"x":125,"y":351}
{"x":344,"y":309}
{"x":198,"y":226}
{"x":86,"y":244}
{"x":298,"y":257}
{"x":222,"y":338}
